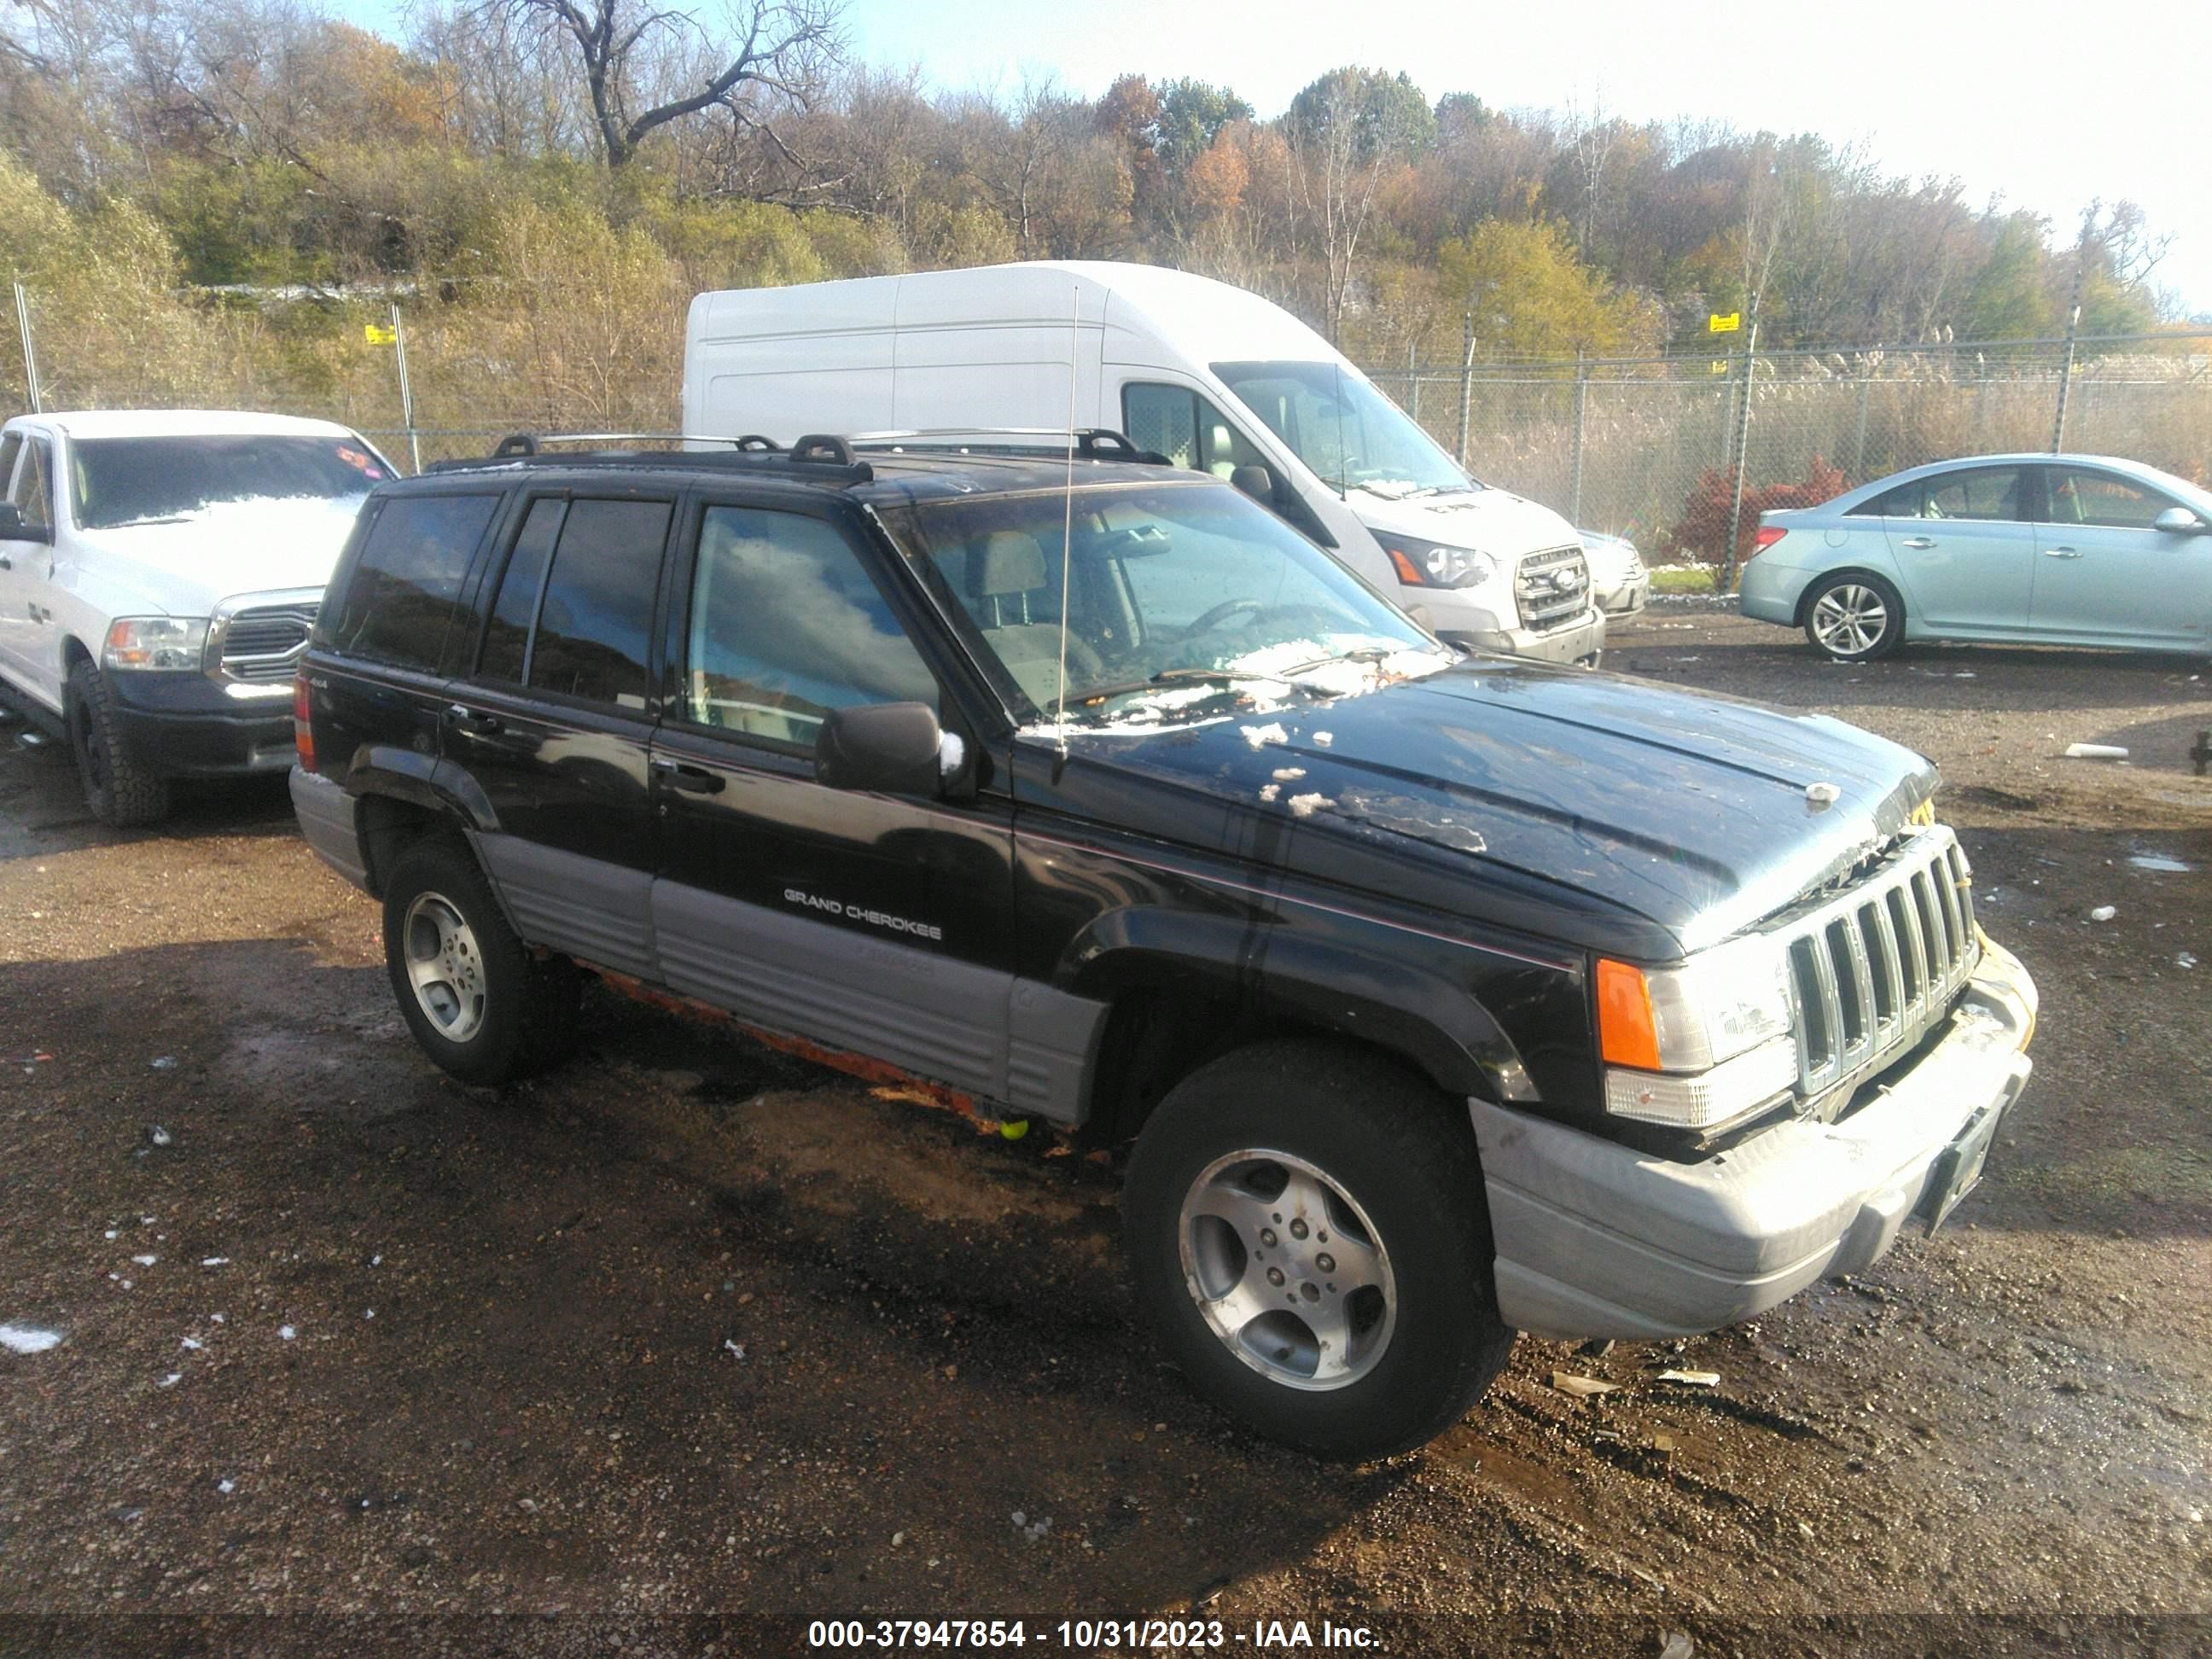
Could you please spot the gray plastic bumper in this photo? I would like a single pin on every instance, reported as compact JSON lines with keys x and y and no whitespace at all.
{"x":1595,"y":1239}
{"x":328,"y":818}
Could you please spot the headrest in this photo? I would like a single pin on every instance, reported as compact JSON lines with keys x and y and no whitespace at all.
{"x":1010,"y":562}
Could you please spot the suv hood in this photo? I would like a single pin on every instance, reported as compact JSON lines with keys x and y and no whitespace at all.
{"x":1493,"y":521}
{"x":1596,"y":809}
{"x":187,"y":565}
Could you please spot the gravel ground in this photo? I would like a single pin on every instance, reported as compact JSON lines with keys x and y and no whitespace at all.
{"x":689,"y":1334}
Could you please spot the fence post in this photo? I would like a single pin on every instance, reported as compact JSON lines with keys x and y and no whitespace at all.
{"x":30,"y":356}
{"x":1866,"y":396}
{"x":1413,"y":380}
{"x":1742,"y":453}
{"x":1466,"y":384}
{"x":1582,"y":401}
{"x":2066,"y":373}
{"x":406,"y":393}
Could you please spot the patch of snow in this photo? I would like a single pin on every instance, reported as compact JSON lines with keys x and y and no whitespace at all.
{"x":27,"y":1339}
{"x":173,"y":1379}
{"x":145,"y":1260}
{"x":1270,"y":792}
{"x":226,"y":1486}
{"x":1261,"y":736}
{"x":286,"y":1332}
{"x":1285,"y":774}
{"x":1304,"y":806}
{"x":1324,"y":738}
{"x":215,"y":1261}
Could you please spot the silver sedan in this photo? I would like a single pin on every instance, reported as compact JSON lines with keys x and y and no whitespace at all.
{"x":2058,"y":550}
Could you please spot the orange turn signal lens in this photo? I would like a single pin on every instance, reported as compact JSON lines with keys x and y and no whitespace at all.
{"x":1627,"y":1034}
{"x":1408,"y":572}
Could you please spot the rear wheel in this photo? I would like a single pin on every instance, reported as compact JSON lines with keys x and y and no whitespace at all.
{"x":1307,"y":1228}
{"x":121,"y":793}
{"x":1854,"y":617}
{"x":479,"y":1003}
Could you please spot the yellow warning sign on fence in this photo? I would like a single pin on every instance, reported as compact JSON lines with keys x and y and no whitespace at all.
{"x":1718,"y":366}
{"x":1717,"y":323}
{"x":379,"y":333}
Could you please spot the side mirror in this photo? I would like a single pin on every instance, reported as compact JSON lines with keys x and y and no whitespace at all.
{"x":13,"y":529}
{"x":1257,"y":482}
{"x":883,"y":748}
{"x":2180,"y":521}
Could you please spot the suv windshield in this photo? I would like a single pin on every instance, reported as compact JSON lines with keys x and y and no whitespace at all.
{"x":1176,"y":595}
{"x":1351,"y":435}
{"x":123,"y":481}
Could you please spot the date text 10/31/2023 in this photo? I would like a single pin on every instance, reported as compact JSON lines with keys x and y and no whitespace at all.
{"x":1087,"y":1635}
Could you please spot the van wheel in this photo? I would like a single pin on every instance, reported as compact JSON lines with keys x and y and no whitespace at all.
{"x":122,"y":794}
{"x":479,"y":1003}
{"x":1854,"y":617}
{"x":1308,"y":1232}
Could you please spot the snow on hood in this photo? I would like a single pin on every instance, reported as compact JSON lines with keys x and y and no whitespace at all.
{"x":187,"y":565}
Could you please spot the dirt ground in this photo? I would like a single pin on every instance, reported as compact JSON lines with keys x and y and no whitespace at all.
{"x":690,"y":1343}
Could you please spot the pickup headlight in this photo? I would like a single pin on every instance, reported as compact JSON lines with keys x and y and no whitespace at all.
{"x":1432,"y":564}
{"x":154,"y":642}
{"x":1700,"y":1045}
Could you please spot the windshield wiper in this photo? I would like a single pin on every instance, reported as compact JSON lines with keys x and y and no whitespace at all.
{"x":1364,"y":653}
{"x":1165,"y":676}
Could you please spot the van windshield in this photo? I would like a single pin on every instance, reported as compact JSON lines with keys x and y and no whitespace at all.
{"x":1182,"y":599}
{"x":1351,"y":435}
{"x":126,"y":481}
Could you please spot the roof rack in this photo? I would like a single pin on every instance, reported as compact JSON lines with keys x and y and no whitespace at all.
{"x":533,"y":443}
{"x":1092,"y":443}
{"x":822,"y":455}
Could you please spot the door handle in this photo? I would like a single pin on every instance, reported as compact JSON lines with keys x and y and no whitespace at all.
{"x":465,"y":718}
{"x":2061,"y":553}
{"x":691,"y":779}
{"x":1919,"y":541}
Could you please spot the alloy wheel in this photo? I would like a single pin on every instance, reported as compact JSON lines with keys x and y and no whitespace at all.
{"x":1286,"y":1269}
{"x":1849,"y":620}
{"x":444,"y":967}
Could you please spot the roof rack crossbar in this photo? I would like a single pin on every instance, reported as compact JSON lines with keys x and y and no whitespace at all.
{"x":532,"y":443}
{"x":1092,"y":443}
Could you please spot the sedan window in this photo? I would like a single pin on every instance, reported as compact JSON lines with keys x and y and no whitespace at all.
{"x":1983,"y":492}
{"x":2102,"y":498}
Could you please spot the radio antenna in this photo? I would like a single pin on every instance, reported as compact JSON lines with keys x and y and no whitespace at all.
{"x":1067,"y":525}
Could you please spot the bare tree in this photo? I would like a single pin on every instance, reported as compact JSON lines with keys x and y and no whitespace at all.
{"x":644,"y":67}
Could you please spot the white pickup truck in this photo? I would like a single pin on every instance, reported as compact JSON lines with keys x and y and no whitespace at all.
{"x":159,"y":572}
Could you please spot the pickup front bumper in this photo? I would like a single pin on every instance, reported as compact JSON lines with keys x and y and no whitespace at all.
{"x":1595,"y":1239}
{"x":186,"y":725}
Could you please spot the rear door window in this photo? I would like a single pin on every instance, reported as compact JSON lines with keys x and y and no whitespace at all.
{"x":403,"y":599}
{"x":595,"y":614}
{"x":1992,"y":493}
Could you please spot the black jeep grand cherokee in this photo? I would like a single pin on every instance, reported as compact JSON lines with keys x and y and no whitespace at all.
{"x":1440,"y":997}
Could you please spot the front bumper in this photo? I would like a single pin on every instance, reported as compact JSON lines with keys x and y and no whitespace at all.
{"x":1625,"y":600}
{"x":186,"y":726}
{"x":1581,"y":640}
{"x":1595,"y":1239}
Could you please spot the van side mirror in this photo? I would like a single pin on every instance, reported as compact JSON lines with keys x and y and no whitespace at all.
{"x":13,"y":529}
{"x":1257,"y":482}
{"x":2180,"y":521}
{"x":1280,"y":496}
{"x":883,"y":748}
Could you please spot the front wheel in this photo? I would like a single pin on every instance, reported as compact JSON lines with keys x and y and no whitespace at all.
{"x":1854,"y":617}
{"x":121,"y":792}
{"x":1307,"y":1228}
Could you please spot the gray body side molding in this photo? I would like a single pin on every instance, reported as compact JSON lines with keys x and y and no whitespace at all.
{"x":329,"y":821}
{"x":1052,"y":1051}
{"x":587,"y":906}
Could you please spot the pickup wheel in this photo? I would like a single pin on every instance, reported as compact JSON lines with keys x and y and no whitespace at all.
{"x":122,"y":794}
{"x":1307,"y":1228}
{"x":478,"y":1001}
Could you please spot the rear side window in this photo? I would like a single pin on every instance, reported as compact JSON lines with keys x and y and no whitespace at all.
{"x":506,"y":639}
{"x":597,"y":611}
{"x":402,"y":599}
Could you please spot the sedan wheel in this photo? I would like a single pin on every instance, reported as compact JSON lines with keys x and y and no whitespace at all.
{"x":1855,"y":618}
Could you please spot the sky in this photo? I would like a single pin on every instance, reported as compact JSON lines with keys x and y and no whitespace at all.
{"x":2043,"y":105}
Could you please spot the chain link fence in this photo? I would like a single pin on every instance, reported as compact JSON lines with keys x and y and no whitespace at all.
{"x":1628,"y":446}
{"x":1622,"y":444}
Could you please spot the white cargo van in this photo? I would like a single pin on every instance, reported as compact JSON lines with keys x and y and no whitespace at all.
{"x":1205,"y":373}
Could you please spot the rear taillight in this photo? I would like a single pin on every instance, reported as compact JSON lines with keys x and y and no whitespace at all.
{"x":1764,"y":537}
{"x":303,"y":731}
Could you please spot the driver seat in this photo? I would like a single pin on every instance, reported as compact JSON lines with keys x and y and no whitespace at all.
{"x":1008,"y":581}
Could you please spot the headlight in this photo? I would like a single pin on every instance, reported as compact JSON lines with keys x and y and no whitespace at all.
{"x":141,"y":642}
{"x":1431,"y":564}
{"x":1720,"y":1024}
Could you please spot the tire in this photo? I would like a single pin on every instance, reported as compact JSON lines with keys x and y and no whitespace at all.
{"x":1391,"y":1160}
{"x":1854,"y":616}
{"x":485,"y":1009}
{"x":121,"y":793}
